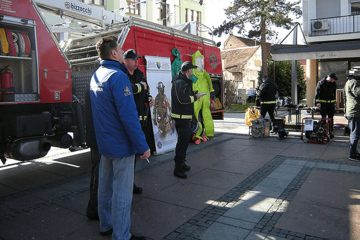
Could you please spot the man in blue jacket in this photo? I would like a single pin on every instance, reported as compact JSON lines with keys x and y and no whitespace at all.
{"x":119,"y":137}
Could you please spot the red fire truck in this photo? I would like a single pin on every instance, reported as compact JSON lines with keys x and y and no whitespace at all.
{"x":42,"y":87}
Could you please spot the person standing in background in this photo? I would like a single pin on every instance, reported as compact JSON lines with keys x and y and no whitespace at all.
{"x":182,"y":110}
{"x":143,"y":100}
{"x":352,"y":110}
{"x":267,"y":93}
{"x":325,"y":95}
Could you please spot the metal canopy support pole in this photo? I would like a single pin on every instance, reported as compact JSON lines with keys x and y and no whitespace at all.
{"x":294,"y":95}
{"x":164,"y":12}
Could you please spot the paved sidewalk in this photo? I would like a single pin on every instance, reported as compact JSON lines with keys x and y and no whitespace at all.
{"x":238,"y":188}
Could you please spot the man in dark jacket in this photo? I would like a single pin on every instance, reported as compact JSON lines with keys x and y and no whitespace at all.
{"x":267,"y":92}
{"x":182,"y":110}
{"x":325,"y":95}
{"x":92,"y":208}
{"x":352,"y":110}
{"x":143,"y":99}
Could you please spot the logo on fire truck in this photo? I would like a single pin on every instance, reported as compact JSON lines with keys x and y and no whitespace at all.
{"x":213,"y":61}
{"x":76,"y":8}
{"x":158,"y":65}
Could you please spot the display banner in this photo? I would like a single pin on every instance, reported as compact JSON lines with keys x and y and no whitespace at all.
{"x":158,"y":74}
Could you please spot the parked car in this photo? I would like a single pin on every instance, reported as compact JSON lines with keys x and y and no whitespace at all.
{"x":250,"y":96}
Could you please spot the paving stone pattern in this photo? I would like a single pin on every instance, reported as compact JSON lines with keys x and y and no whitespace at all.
{"x":249,"y":211}
{"x":230,"y":217}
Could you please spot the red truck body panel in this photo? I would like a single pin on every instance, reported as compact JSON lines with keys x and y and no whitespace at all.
{"x":49,"y":57}
{"x":154,"y":43}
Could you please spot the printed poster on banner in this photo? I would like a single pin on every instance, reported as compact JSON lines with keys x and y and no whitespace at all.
{"x":158,"y":73}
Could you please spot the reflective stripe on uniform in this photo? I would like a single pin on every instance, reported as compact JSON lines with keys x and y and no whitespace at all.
{"x":192,"y":98}
{"x":269,"y":102}
{"x":139,"y":87}
{"x":181,"y":116}
{"x":326,"y":101}
{"x":142,"y":118}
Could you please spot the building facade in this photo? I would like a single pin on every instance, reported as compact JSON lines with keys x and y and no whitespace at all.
{"x":177,"y":12}
{"x":332,"y":32}
{"x":242,"y":61}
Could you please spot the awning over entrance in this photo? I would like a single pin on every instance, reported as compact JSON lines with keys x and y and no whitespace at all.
{"x":316,"y":51}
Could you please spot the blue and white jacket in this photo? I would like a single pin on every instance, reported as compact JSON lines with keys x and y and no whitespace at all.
{"x":116,"y":122}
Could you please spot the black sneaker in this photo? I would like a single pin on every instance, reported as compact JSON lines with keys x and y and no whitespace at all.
{"x":108,"y":232}
{"x":357,"y":158}
{"x":133,"y":237}
{"x":137,"y":190}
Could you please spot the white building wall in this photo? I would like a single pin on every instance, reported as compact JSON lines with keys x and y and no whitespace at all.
{"x":345,"y":28}
{"x":251,"y":71}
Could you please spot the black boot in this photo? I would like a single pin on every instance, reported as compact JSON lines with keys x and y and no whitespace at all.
{"x":186,"y":167}
{"x":137,"y":190}
{"x":179,"y":168}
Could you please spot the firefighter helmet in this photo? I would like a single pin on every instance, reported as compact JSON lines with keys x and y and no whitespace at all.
{"x":160,"y":86}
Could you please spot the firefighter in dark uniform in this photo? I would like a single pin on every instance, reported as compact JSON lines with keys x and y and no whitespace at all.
{"x":160,"y":111}
{"x":182,"y":110}
{"x":325,"y":95}
{"x":267,"y":93}
{"x":143,"y":99}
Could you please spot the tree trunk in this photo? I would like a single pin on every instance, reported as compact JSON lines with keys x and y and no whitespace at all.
{"x":263,"y":48}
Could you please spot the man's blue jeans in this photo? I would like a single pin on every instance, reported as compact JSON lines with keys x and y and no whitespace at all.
{"x":354,"y":125}
{"x":116,"y":179}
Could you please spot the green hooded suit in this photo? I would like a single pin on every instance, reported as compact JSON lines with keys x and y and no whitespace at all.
{"x":203,"y":84}
{"x":176,"y":65}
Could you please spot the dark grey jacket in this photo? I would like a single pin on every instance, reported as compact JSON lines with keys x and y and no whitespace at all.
{"x":182,"y":97}
{"x":352,"y":97}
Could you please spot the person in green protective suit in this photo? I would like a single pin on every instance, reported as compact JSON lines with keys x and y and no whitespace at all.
{"x":176,"y":65}
{"x":202,"y":111}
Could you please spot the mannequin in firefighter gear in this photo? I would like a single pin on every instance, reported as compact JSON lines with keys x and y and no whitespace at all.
{"x":161,"y":111}
{"x":267,"y":94}
{"x":202,"y":111}
{"x":182,"y":110}
{"x":325,"y":95}
{"x":143,"y":100}
{"x":176,"y":64}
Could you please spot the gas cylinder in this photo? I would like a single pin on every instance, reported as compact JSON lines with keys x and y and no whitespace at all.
{"x":6,"y":79}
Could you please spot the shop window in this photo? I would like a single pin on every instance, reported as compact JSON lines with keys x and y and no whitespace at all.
{"x":338,"y":67}
{"x":133,"y":7}
{"x":353,"y":64}
{"x":355,"y":8}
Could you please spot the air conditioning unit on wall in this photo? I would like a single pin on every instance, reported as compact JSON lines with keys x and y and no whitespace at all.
{"x":320,"y":25}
